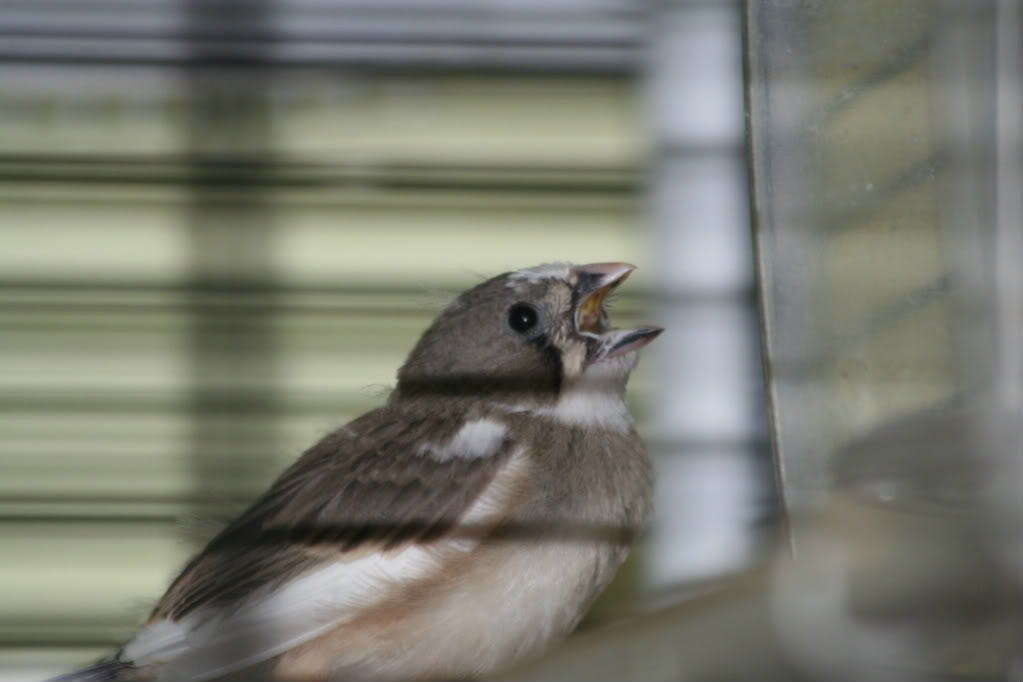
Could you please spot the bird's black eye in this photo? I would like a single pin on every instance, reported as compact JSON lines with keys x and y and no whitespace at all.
{"x":522,"y":317}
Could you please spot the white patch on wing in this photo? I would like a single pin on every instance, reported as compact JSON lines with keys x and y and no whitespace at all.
{"x":480,"y":438}
{"x":538,"y":273}
{"x":159,"y":641}
{"x":210,"y":643}
{"x":271,"y":623}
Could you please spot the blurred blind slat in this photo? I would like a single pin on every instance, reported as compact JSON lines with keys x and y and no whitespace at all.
{"x":557,"y":35}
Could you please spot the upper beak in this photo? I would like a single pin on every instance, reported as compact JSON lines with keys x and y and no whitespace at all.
{"x":594,"y":282}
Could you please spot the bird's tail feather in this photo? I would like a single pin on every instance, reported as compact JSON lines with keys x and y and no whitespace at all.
{"x":104,"y":671}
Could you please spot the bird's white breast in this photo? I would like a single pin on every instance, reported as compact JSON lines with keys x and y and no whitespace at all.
{"x":590,"y":408}
{"x":596,"y":398}
{"x":521,"y":599}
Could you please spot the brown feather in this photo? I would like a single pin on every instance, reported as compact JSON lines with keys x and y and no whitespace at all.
{"x":589,"y":492}
{"x":563,"y":502}
{"x":363,"y":486}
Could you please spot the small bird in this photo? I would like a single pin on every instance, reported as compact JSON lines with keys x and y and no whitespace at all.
{"x":465,"y":525}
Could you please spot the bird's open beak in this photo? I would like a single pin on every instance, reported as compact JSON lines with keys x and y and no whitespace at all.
{"x":595,"y":282}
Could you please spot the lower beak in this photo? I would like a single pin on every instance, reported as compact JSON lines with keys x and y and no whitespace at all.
{"x":594,"y":283}
{"x":617,"y":342}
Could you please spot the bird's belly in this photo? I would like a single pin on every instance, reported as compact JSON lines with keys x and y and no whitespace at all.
{"x":510,"y":603}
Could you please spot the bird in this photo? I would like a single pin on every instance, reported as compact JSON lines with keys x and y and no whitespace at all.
{"x":465,"y":525}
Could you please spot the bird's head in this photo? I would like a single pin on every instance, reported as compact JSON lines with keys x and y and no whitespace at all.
{"x":527,"y":336}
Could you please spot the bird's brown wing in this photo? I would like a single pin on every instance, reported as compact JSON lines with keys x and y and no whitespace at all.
{"x":367,"y":486}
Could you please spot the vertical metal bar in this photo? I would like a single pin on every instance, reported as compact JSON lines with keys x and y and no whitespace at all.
{"x":1009,"y":160}
{"x":230,"y":223}
{"x":1005,"y":435}
{"x":754,"y":75}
